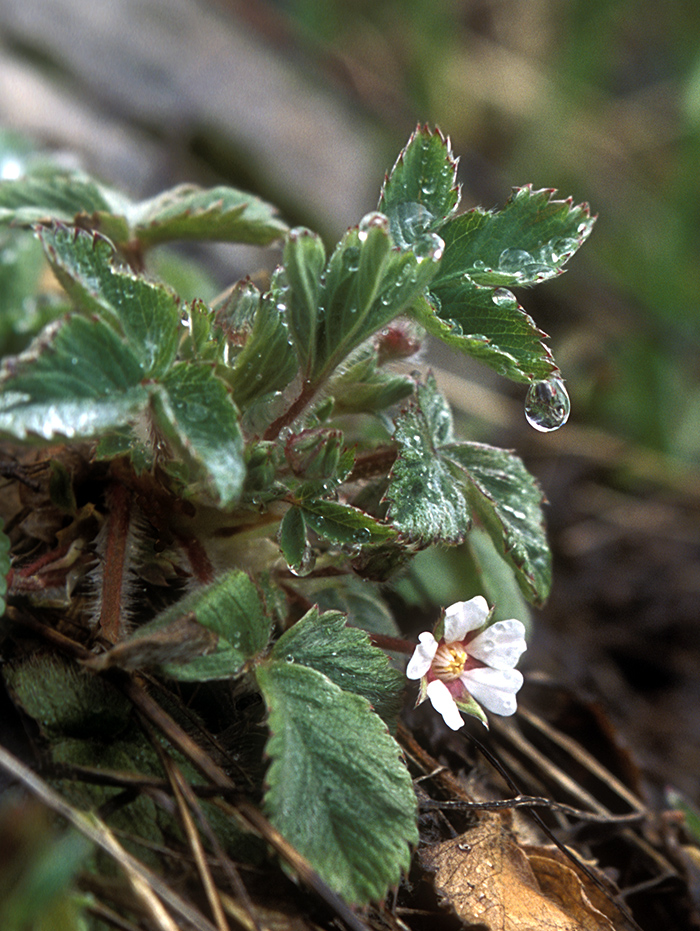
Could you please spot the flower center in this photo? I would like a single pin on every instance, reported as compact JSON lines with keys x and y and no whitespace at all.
{"x":448,"y":662}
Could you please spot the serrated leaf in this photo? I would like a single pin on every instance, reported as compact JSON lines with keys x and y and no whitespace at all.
{"x":359,"y":600}
{"x":337,"y":789}
{"x":489,"y":326}
{"x":509,"y":502}
{"x":421,"y":190}
{"x":267,"y":362}
{"x":232,"y":609}
{"x":76,"y":381}
{"x":528,"y":241}
{"x":4,"y":565}
{"x":304,"y":258}
{"x":326,"y":643}
{"x":53,"y":195}
{"x":364,"y":387}
{"x":220,"y":213}
{"x":198,"y":418}
{"x":426,"y":504}
{"x":343,"y":524}
{"x":367,"y":283}
{"x":148,"y":314}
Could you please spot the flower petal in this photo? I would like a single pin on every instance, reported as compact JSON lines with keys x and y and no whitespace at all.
{"x":494,"y":688}
{"x":463,"y":616}
{"x":444,"y":704}
{"x":419,"y":663}
{"x":500,"y":645}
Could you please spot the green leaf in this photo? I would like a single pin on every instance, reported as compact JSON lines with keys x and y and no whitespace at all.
{"x":5,"y":563}
{"x":75,"y":383}
{"x":359,"y":600}
{"x":528,"y":241}
{"x":220,"y":213}
{"x":55,"y":195}
{"x":22,"y":313}
{"x":488,"y":325}
{"x":304,"y":258}
{"x":292,"y":537}
{"x":421,"y":190}
{"x":148,"y":314}
{"x":346,"y":656}
{"x":364,"y":387}
{"x":343,"y":524}
{"x":367,"y":283}
{"x":267,"y":362}
{"x":470,"y":308}
{"x":337,"y":789}
{"x":509,"y":502}
{"x":426,"y":504}
{"x":198,"y":418}
{"x":231,"y":608}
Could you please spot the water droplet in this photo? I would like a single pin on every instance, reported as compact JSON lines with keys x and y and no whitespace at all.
{"x":351,"y":258}
{"x":537,"y":271}
{"x":307,"y":564}
{"x":502,"y":297}
{"x":547,"y":404}
{"x":289,"y":658}
{"x":371,"y":221}
{"x":511,"y":261}
{"x":428,"y":246}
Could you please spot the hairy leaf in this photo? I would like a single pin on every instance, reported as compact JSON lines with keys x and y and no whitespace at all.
{"x":267,"y":362}
{"x":509,"y":502}
{"x":421,"y":190}
{"x":198,"y":418}
{"x":147,"y":313}
{"x":76,"y":381}
{"x":350,"y":812}
{"x":55,"y":195}
{"x":367,"y":283}
{"x":292,"y":537}
{"x":304,"y":259}
{"x":220,"y":213}
{"x":346,"y":656}
{"x":231,"y":608}
{"x":490,"y":326}
{"x":526,"y":242}
{"x":342,"y":523}
{"x":426,"y":504}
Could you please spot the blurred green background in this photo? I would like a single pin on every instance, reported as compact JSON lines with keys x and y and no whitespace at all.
{"x":307,"y":102}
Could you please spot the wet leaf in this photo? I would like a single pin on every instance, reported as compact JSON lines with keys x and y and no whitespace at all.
{"x":509,"y":503}
{"x":148,"y":314}
{"x":349,"y":812}
{"x":421,"y":190}
{"x":230,"y":608}
{"x":426,"y":504}
{"x":76,"y":381}
{"x":191,"y":212}
{"x":198,"y":418}
{"x":344,"y":654}
{"x":343,"y":524}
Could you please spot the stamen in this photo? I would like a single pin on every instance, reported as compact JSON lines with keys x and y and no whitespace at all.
{"x":449,"y":661}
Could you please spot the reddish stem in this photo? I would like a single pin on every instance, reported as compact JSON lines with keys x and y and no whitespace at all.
{"x":114,"y":569}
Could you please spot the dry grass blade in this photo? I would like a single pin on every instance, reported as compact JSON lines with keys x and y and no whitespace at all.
{"x":149,"y":887}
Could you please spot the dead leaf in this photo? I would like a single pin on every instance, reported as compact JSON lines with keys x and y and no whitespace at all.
{"x":488,"y":879}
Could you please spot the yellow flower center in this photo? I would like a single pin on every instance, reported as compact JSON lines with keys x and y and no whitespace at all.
{"x":448,"y":662}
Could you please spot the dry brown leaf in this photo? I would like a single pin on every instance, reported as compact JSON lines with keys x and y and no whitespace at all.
{"x":488,"y":879}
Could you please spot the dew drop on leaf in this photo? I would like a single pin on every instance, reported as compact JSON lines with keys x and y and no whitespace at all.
{"x":306,"y":565}
{"x":512,"y":261}
{"x":547,"y":404}
{"x":502,"y":297}
{"x":428,"y":246}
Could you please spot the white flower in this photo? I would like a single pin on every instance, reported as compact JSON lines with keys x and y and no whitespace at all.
{"x":465,"y":667}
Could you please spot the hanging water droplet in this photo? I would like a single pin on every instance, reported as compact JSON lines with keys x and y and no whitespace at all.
{"x":502,"y":297}
{"x":512,"y":261}
{"x":307,"y":564}
{"x":547,"y":404}
{"x":428,"y":246}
